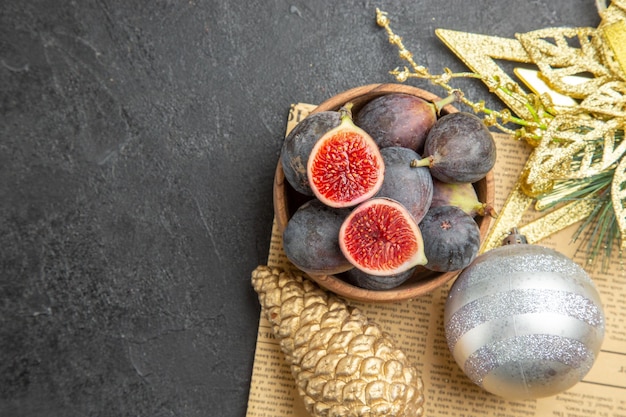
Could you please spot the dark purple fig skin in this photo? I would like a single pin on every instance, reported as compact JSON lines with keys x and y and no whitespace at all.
{"x":366,"y":281}
{"x":298,"y":145}
{"x":460,"y":148}
{"x":451,"y":238}
{"x":397,"y":120}
{"x":311,"y":239}
{"x":412,"y":187}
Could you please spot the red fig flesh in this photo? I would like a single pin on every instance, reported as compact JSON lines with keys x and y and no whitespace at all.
{"x":345,"y":167}
{"x":380,"y":237}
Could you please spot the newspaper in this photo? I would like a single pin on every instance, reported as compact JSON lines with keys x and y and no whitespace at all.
{"x":417,"y":325}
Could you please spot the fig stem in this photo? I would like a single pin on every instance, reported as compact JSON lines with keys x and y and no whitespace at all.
{"x":424,"y":162}
{"x":346,"y":111}
{"x":484,"y":209}
{"x":452,"y":98}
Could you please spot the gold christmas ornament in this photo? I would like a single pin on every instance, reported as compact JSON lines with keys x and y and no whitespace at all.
{"x":574,"y":119}
{"x":343,"y":364}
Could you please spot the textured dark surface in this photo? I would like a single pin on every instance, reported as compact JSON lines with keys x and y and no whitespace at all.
{"x":138,"y":144}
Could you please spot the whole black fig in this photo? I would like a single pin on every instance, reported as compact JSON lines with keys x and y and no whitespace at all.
{"x":412,"y":187}
{"x":311,"y":239}
{"x":459,"y":148}
{"x":398,"y":120}
{"x":451,"y":238}
{"x":462,"y":195}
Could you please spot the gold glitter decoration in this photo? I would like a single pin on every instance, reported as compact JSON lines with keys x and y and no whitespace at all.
{"x":559,"y":219}
{"x":344,"y":364}
{"x":613,"y":30}
{"x":574,"y":118}
{"x":550,"y":49}
{"x":618,"y":196}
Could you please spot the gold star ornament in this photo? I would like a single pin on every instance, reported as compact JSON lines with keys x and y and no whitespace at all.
{"x":574,"y":117}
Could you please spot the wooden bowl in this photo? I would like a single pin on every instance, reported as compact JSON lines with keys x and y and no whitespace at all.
{"x":287,"y":200}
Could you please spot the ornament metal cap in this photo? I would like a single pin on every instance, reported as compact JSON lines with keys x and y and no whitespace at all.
{"x":514,"y":238}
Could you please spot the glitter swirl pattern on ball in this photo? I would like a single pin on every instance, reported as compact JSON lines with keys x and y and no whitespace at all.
{"x":524,"y":321}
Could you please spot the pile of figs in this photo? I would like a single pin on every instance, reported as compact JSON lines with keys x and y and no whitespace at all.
{"x":388,"y":189}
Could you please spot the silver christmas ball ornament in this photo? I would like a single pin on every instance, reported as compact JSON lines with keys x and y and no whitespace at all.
{"x":524,"y":321}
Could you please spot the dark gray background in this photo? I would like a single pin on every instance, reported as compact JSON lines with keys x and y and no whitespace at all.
{"x":137,"y":150}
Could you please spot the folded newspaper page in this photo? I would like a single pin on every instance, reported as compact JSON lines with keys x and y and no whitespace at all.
{"x":417,"y":326}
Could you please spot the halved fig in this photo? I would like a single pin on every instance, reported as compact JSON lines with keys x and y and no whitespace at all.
{"x":345,"y":166}
{"x":298,"y":145}
{"x":380,"y":237}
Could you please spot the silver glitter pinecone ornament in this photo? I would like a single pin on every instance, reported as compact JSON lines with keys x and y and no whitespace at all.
{"x":344,"y":365}
{"x":524,"y":321}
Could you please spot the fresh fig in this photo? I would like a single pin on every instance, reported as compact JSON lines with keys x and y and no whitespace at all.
{"x":451,"y":238}
{"x":399,"y":119}
{"x":366,"y":281}
{"x":412,"y":187}
{"x":311,"y":239}
{"x":380,"y":237}
{"x":462,"y":195}
{"x":459,"y":148}
{"x":345,"y":166}
{"x":298,"y":145}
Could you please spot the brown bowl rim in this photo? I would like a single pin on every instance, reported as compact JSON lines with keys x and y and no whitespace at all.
{"x":412,"y":288}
